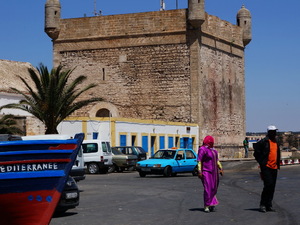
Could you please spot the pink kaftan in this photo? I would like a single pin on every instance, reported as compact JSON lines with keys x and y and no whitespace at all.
{"x":210,"y":174}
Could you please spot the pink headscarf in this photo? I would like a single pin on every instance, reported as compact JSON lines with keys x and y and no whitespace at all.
{"x":209,"y":141}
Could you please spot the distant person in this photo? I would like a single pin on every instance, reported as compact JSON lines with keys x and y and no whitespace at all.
{"x":209,"y":167}
{"x":246,"y":146}
{"x":267,"y":154}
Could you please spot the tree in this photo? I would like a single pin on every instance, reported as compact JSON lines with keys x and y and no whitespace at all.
{"x":8,"y":125}
{"x":54,"y":96}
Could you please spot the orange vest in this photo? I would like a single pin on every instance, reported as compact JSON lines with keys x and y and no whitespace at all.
{"x":272,"y":159}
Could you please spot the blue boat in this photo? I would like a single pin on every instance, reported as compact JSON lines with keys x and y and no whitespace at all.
{"x":33,"y":174}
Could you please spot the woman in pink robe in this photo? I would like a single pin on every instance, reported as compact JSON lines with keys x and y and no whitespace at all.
{"x":209,"y":167}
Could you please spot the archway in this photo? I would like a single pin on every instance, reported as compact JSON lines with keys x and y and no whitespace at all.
{"x":103,"y":113}
{"x":104,"y":109}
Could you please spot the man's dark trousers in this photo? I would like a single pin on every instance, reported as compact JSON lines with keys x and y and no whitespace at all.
{"x":269,"y":177}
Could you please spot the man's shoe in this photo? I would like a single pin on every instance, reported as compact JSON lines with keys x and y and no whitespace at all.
{"x":262,"y":209}
{"x":271,"y":209}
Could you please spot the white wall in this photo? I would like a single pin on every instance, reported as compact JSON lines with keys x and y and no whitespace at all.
{"x":7,"y":98}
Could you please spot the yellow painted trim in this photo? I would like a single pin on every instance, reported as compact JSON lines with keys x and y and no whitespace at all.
{"x":185,"y":135}
{"x":113,"y":133}
{"x":84,"y":128}
{"x":130,"y":120}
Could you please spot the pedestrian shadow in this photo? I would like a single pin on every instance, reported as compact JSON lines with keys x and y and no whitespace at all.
{"x":253,"y":209}
{"x":63,"y":214}
{"x":196,"y":209}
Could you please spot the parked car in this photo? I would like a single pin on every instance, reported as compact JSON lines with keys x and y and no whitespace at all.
{"x":97,"y":155}
{"x":169,"y":162}
{"x":69,"y":198}
{"x":132,"y":150}
{"x":122,"y":162}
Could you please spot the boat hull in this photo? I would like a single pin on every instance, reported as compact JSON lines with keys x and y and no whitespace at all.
{"x":32,"y":177}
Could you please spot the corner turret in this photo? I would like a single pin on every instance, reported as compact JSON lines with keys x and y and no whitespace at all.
{"x":243,"y":19}
{"x":52,"y":18}
{"x":196,"y":13}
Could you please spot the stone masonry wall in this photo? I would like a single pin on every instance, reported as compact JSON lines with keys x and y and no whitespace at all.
{"x":223,"y":97}
{"x":150,"y":82}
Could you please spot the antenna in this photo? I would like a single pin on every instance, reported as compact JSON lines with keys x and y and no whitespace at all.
{"x":162,"y":5}
{"x":95,"y":9}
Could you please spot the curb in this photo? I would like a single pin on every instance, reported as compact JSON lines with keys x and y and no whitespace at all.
{"x":284,"y":162}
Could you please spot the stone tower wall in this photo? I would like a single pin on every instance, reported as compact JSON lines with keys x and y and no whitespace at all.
{"x":155,"y":65}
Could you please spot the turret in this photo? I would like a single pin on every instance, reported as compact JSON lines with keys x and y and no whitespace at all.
{"x":52,"y":18}
{"x":196,"y":13}
{"x":243,"y":19}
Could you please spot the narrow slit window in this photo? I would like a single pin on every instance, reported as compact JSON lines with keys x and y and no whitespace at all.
{"x":103,"y":73}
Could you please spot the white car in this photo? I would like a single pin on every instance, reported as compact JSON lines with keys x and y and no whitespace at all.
{"x":97,"y":156}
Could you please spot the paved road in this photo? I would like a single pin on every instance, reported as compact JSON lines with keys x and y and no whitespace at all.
{"x":127,"y":199}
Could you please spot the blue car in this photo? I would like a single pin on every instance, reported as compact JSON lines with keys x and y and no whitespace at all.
{"x":169,"y":162}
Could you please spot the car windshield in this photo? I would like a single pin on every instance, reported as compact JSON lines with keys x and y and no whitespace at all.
{"x":164,"y":154}
{"x":116,"y":151}
{"x":140,"y":150}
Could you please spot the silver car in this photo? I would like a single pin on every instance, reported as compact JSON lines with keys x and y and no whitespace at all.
{"x":122,"y":162}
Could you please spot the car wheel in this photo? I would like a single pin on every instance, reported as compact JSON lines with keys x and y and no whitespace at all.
{"x":93,"y":168}
{"x":195,"y":171}
{"x":142,"y":174}
{"x":112,"y":168}
{"x":168,"y":171}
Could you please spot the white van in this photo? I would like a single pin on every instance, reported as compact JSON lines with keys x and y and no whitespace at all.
{"x":97,"y":156}
{"x":78,"y":170}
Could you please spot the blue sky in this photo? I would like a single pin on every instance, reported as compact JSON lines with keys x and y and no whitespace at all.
{"x":272,"y":58}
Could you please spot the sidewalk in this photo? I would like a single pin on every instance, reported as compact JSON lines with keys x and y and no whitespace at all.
{"x":285,"y":159}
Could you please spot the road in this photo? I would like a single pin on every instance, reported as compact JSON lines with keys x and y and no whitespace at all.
{"x":127,"y":199}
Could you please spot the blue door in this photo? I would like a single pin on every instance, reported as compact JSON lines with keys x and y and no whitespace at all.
{"x":190,"y":160}
{"x":187,"y":162}
{"x":122,"y":140}
{"x":170,"y":142}
{"x":162,"y":142}
{"x":145,"y":143}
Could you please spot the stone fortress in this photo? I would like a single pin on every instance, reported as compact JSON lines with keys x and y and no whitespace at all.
{"x":176,"y":65}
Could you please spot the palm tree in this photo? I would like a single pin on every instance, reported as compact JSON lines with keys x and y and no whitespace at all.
{"x":54,"y":97}
{"x":8,"y":125}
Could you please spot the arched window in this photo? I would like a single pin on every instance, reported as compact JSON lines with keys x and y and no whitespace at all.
{"x":103,"y":113}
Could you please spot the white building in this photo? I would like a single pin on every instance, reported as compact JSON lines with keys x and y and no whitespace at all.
{"x":149,"y":134}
